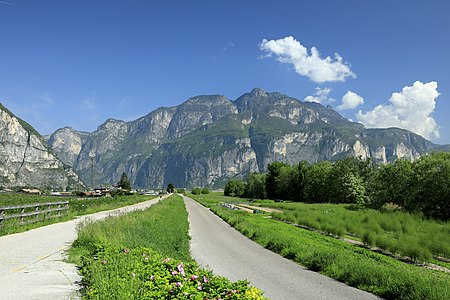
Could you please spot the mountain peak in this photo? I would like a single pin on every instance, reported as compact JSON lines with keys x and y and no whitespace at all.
{"x":258,"y":92}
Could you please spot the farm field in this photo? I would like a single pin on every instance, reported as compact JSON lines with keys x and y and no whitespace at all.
{"x":145,"y":255}
{"x":356,"y":266}
{"x":77,"y":207}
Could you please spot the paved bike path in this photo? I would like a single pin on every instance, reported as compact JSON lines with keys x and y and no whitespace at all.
{"x":218,"y":246}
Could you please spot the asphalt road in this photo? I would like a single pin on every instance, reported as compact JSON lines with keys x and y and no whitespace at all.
{"x":31,"y":263}
{"x":217,"y":246}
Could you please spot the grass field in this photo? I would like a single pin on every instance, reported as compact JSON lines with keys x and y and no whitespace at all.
{"x":391,"y":230}
{"x":145,"y":255}
{"x":356,"y":266}
{"x":77,"y":207}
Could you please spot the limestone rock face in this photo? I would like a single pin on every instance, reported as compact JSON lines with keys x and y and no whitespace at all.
{"x":67,"y":143}
{"x":26,"y":159}
{"x":209,"y":139}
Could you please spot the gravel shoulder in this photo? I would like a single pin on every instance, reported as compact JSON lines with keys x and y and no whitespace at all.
{"x":218,"y":246}
{"x":32,"y":263}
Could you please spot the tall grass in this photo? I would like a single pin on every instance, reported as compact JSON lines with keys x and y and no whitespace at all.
{"x":163,"y":228}
{"x":392,"y":230}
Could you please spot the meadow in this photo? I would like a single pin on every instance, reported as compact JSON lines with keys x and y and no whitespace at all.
{"x":356,"y":266}
{"x":77,"y":207}
{"x":145,"y":255}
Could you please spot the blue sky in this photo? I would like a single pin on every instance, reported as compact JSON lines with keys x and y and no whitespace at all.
{"x":77,"y":63}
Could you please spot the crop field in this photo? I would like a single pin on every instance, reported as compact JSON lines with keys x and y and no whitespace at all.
{"x":391,"y":230}
{"x":145,"y":255}
{"x":351,"y":264}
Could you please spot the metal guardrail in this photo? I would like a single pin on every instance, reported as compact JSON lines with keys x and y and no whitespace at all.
{"x":30,"y":213}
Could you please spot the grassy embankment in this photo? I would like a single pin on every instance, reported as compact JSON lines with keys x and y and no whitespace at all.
{"x":77,"y":207}
{"x":356,"y":266}
{"x":145,"y":255}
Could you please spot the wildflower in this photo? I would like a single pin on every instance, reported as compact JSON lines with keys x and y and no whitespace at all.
{"x":178,"y":284}
{"x":104,"y":262}
{"x":174,"y":273}
{"x":199,"y":288}
{"x":194,"y":277}
{"x":146,"y":258}
{"x":152,"y":278}
{"x":166,"y":260}
{"x":133,"y":275}
{"x":181,"y":270}
{"x":205,"y":280}
{"x":126,"y":250}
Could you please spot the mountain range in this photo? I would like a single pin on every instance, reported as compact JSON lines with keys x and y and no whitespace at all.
{"x":202,"y":142}
{"x":208,"y":139}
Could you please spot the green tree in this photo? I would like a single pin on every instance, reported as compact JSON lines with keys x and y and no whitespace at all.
{"x":234,"y":188}
{"x":317,"y":178}
{"x":255,"y":186}
{"x":273,"y":181}
{"x":392,"y":183}
{"x":431,"y":186}
{"x":124,"y":183}
{"x":170,"y":188}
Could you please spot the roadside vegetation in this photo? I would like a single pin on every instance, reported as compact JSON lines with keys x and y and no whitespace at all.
{"x":77,"y":207}
{"x":356,"y":266}
{"x":145,"y":255}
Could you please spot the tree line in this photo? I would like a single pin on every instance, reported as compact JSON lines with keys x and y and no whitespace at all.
{"x":420,"y":186}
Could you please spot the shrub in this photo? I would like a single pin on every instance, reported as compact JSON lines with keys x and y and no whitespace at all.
{"x":196,"y":191}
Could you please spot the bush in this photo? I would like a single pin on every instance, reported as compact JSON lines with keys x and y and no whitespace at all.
{"x":205,"y":191}
{"x":196,"y":191}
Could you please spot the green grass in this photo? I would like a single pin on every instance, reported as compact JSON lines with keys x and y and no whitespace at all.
{"x":77,"y":207}
{"x":355,"y":266}
{"x":391,"y":230}
{"x":145,"y":255}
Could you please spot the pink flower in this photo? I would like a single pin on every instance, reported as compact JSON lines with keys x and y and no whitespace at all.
{"x":104,"y":262}
{"x":178,"y":284}
{"x":199,"y":288}
{"x":166,"y":260}
{"x":194,"y":277}
{"x":180,"y":268}
{"x":205,"y":280}
{"x":174,"y":273}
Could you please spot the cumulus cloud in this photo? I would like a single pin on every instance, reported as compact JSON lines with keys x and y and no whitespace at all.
{"x":289,"y":50}
{"x":350,"y":100}
{"x":410,"y":109}
{"x":321,"y":96}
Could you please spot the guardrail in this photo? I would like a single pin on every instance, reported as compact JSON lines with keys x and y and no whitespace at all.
{"x":31,"y":213}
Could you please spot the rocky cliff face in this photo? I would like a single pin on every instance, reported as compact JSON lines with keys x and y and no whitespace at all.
{"x":26,"y":159}
{"x":67,"y":143}
{"x":209,"y":139}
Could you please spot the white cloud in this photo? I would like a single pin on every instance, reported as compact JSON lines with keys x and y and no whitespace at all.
{"x":410,"y":109}
{"x":289,"y":50}
{"x":350,"y":100}
{"x":320,"y":96}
